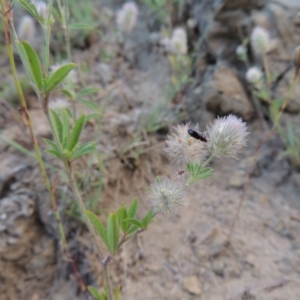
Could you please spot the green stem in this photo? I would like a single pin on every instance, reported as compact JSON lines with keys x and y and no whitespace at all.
{"x":89,"y":225}
{"x":8,"y":23}
{"x":47,"y":29}
{"x":63,"y":9}
{"x":208,"y":161}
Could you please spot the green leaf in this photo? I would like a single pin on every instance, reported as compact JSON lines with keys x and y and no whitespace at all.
{"x":30,"y":8}
{"x":52,"y":145}
{"x":120,"y":214}
{"x":57,"y":124}
{"x":89,"y":104}
{"x":99,"y":226}
{"x":54,"y":153}
{"x":84,"y":149}
{"x":80,"y":26}
{"x":87,"y":91}
{"x":58,"y":76}
{"x":133,"y":222}
{"x":117,"y":293}
{"x":66,"y":128}
{"x":35,"y":65}
{"x":124,"y":226}
{"x":76,"y":132}
{"x":113,"y":232}
{"x":95,"y":293}
{"x":26,"y":64}
{"x":133,"y":208}
{"x":132,"y":229}
{"x":91,"y":116}
{"x":68,"y":94}
{"x":147,"y":220}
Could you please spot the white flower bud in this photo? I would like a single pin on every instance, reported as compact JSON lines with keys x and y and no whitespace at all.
{"x":127,"y":17}
{"x":58,"y":103}
{"x":254,"y":76}
{"x":26,"y":29}
{"x":179,"y":41}
{"x":260,"y":40}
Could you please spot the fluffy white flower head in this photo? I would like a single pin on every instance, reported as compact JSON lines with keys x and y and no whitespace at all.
{"x":26,"y":29}
{"x":127,"y":16}
{"x":165,"y":196}
{"x":260,"y":40}
{"x":254,"y":75}
{"x":179,"y":41}
{"x":42,"y":9}
{"x":241,"y":50}
{"x":226,"y":136}
{"x":182,"y":148}
{"x":58,"y":103}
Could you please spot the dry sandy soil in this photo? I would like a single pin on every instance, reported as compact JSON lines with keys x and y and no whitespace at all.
{"x":191,"y":255}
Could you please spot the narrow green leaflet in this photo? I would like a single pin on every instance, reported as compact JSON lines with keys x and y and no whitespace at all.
{"x":84,"y":149}
{"x":35,"y":65}
{"x":30,"y":8}
{"x":99,"y":226}
{"x":133,"y":222}
{"x":76,"y":132}
{"x":52,"y":146}
{"x":196,"y":172}
{"x":147,"y":220}
{"x":57,"y":124}
{"x":133,"y":209}
{"x":117,"y":293}
{"x":53,"y":152}
{"x":26,"y":64}
{"x":58,"y":76}
{"x":66,"y":128}
{"x":80,"y":26}
{"x":95,"y":293}
{"x":87,"y":91}
{"x":113,"y":232}
{"x":124,"y":226}
{"x":89,"y":104}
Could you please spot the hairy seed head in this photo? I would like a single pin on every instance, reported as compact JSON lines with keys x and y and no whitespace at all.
{"x":226,"y":136}
{"x":182,"y":148}
{"x":127,"y":16}
{"x":58,"y":103}
{"x":254,"y":76}
{"x":179,"y":41}
{"x":260,"y":40}
{"x":165,"y":196}
{"x":26,"y":29}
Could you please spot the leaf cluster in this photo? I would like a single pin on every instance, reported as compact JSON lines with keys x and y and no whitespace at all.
{"x":197,"y":172}
{"x":67,"y":146}
{"x":123,"y":220}
{"x":41,"y":83}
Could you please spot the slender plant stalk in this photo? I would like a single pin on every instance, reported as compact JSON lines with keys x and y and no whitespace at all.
{"x":47,"y":29}
{"x":63,"y":9}
{"x":28,"y":122}
{"x":267,"y":70}
{"x":90,"y":226}
{"x":267,"y":137}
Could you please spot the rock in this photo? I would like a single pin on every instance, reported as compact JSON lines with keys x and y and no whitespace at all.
{"x":295,"y":179}
{"x":105,"y":72}
{"x":222,"y":93}
{"x":238,"y":179}
{"x":191,"y":285}
{"x":218,"y":267}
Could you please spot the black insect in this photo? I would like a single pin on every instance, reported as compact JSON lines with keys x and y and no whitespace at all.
{"x":197,"y":135}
